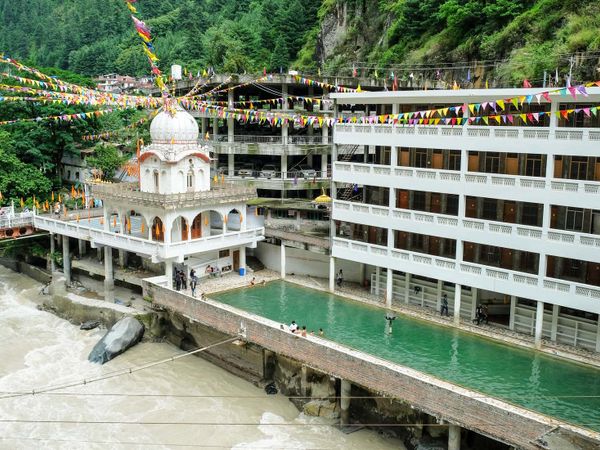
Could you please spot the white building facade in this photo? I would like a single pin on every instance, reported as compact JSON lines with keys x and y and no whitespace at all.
{"x":174,"y":215}
{"x":502,"y":214}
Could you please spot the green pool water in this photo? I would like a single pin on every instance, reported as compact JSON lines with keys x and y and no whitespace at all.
{"x":551,"y":386}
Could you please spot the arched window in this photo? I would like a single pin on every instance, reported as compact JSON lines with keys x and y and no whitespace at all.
{"x":190,"y":180}
{"x":156,"y":178}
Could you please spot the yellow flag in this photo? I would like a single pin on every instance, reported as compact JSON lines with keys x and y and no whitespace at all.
{"x":22,"y":202}
{"x":131,"y":8}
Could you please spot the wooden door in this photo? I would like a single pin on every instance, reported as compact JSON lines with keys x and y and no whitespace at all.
{"x":403,"y":199}
{"x":469,"y":251}
{"x":510,"y":212}
{"x":401,"y":240}
{"x":437,"y":161}
{"x":550,"y":262}
{"x":553,"y":216}
{"x":558,"y":168}
{"x":372,"y":235}
{"x":506,"y":258}
{"x":197,"y":227}
{"x":184,"y":230}
{"x":597,"y":171}
{"x":512,"y":166}
{"x":404,"y":157}
{"x":473,"y":162}
{"x":434,"y":245}
{"x":236,"y":260}
{"x":593,"y":274}
{"x":471,"y":207}
{"x":436,"y":203}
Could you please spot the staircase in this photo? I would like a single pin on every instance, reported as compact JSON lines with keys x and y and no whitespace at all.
{"x":253,"y":263}
{"x":345,"y":154}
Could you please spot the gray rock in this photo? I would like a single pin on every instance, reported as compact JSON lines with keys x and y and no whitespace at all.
{"x":124,"y":334}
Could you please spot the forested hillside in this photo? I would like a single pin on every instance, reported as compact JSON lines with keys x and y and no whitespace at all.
{"x":516,"y":39}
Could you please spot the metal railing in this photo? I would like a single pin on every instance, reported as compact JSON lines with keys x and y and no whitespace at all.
{"x":16,"y":220}
{"x":280,"y":140}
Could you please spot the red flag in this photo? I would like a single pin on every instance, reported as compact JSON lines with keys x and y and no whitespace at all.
{"x":354,"y":72}
{"x":395,"y":84}
{"x":264,"y":71}
{"x":526,"y":83}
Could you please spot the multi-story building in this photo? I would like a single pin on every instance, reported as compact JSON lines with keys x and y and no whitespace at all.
{"x":500,"y":206}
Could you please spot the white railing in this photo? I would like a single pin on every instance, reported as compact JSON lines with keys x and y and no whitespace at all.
{"x":467,"y":268}
{"x":16,"y":220}
{"x":281,"y":140}
{"x":470,"y":178}
{"x":469,"y":131}
{"x":145,"y":246}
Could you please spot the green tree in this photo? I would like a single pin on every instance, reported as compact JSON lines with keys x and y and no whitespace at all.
{"x":108,"y":159}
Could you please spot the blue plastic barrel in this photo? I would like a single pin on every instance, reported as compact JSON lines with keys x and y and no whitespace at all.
{"x":242,"y":271}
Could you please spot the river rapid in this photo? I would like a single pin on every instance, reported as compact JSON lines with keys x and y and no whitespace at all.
{"x":187,"y":403}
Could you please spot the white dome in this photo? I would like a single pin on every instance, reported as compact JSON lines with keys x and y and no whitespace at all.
{"x":179,"y":127}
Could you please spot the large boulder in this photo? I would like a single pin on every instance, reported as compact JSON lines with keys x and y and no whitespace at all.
{"x":124,"y":334}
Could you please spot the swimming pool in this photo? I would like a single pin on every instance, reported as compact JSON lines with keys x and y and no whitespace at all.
{"x":551,"y":386}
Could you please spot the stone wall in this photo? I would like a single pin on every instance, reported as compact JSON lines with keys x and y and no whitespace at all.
{"x":471,"y":410}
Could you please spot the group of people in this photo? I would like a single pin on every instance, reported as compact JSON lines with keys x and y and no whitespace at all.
{"x":181,"y":281}
{"x":481,"y":314}
{"x":213,"y":271}
{"x":253,"y":282}
{"x":296,"y":329}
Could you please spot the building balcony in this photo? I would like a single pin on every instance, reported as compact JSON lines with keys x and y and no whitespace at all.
{"x":563,"y":293}
{"x":272,"y":145}
{"x":507,"y":187}
{"x":219,"y":194}
{"x":563,"y":141}
{"x":158,"y":251}
{"x":282,"y":181}
{"x":500,"y":234}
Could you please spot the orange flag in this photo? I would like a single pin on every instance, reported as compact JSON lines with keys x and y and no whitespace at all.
{"x":142,"y":228}
{"x":73,"y":194}
{"x":52,"y":196}
{"x":129,"y":226}
{"x":114,"y":221}
{"x":156,"y":230}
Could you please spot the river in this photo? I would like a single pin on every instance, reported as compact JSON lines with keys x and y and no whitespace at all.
{"x":185,"y":403}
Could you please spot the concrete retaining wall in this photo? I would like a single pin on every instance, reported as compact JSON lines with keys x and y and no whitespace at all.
{"x":496,"y":419}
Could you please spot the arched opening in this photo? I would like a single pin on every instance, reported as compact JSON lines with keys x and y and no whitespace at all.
{"x":179,"y":230}
{"x":197,"y":225}
{"x":156,"y":178}
{"x":215,"y":222}
{"x":135,"y":224}
{"x":158,"y":230}
{"x":234,"y":220}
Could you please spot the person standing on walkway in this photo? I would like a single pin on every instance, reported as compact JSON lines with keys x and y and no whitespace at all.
{"x":193,"y":282}
{"x":340,"y":278}
{"x":444,"y":305}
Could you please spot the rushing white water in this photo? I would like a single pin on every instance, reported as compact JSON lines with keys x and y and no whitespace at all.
{"x":186,"y":403}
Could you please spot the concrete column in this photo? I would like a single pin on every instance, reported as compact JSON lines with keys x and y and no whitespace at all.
{"x":475,"y":300}
{"x":82,"y":247}
{"x":440,"y":285}
{"x":243,"y":257}
{"x":231,"y":165}
{"x":169,"y":273}
{"x":453,"y":437}
{"x":230,"y":121}
{"x":122,"y":258}
{"x":284,"y":166}
{"x":554,"y":329}
{"x":99,"y":254}
{"x":309,"y":159}
{"x":513,"y":308}
{"x":303,"y":381}
{"x":324,"y":165}
{"x":406,"y":287}
{"x":52,"y":250}
{"x":331,"y":274}
{"x":325,"y":134}
{"x":388,"y":288}
{"x":66,"y":259}
{"x":109,"y":278}
{"x":457,"y":297}
{"x":539,"y":323}
{"x":345,"y":393}
{"x":203,"y":123}
{"x":284,"y":106}
{"x":377,"y":280}
{"x":282,"y":257}
{"x":215,"y":127}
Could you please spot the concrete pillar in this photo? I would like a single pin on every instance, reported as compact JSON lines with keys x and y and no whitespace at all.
{"x":345,"y":393}
{"x":389,"y":287}
{"x":66,"y":259}
{"x":82,"y":247}
{"x":331,"y":274}
{"x":284,"y":166}
{"x":554,"y":329}
{"x":215,"y":126}
{"x":303,"y":381}
{"x":457,"y":297}
{"x":122,"y":258}
{"x":475,"y":300}
{"x":99,"y":254}
{"x":203,"y":123}
{"x":406,"y":287}
{"x":377,"y":280}
{"x":453,"y":437}
{"x":109,"y":278}
{"x":539,"y":323}
{"x":513,"y":308}
{"x":243,"y":258}
{"x":52,"y":250}
{"x":231,"y":165}
{"x":440,"y":285}
{"x":169,"y":273}
{"x":324,"y":165}
{"x":282,"y":262}
{"x":325,"y":134}
{"x":284,"y":106}
{"x":230,"y":120}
